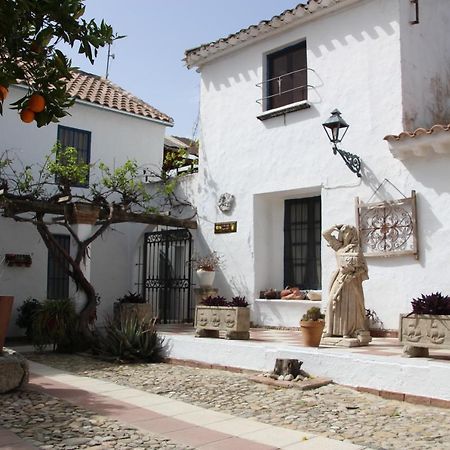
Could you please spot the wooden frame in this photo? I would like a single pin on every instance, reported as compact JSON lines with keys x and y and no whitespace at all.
{"x":388,"y":228}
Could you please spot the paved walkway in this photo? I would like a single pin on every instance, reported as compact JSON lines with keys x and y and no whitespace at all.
{"x":184,"y":424}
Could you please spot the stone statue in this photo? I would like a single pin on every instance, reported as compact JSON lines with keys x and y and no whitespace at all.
{"x":345,"y":315}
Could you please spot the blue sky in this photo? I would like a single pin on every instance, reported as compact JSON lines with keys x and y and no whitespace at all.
{"x":148,"y":62}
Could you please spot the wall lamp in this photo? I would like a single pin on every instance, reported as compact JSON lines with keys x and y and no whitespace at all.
{"x":336,"y":128}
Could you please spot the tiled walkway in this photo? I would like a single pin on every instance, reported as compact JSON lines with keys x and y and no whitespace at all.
{"x":181,"y":422}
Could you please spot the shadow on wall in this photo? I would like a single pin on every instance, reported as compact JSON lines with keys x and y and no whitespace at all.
{"x":374,"y":24}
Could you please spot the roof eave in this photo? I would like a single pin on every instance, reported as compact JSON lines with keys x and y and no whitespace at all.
{"x":198,"y":56}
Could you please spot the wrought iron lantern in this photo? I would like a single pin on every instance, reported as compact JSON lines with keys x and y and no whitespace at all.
{"x":336,"y":128}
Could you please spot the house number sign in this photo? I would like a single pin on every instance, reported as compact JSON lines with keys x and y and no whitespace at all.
{"x":225,"y":227}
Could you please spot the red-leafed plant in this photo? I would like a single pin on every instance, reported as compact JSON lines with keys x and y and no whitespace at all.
{"x":435,"y":304}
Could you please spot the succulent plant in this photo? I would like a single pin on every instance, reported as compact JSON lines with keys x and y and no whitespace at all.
{"x":238,"y":301}
{"x":436,"y":304}
{"x":313,"y":314}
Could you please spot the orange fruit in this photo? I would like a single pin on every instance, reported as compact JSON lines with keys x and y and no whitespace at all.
{"x":36,"y":103}
{"x":3,"y":92}
{"x":27,"y":115}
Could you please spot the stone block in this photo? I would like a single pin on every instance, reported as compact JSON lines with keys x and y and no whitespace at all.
{"x":14,"y":371}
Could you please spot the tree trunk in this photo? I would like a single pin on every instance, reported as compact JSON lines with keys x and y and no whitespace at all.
{"x":287,"y":367}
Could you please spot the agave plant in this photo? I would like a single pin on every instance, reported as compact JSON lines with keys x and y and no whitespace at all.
{"x":435,"y":304}
{"x":130,"y":340}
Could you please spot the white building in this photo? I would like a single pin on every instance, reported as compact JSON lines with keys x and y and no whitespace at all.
{"x":385,"y":65}
{"x":107,"y":124}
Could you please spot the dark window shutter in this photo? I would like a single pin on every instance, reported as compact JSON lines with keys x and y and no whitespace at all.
{"x":287,"y":76}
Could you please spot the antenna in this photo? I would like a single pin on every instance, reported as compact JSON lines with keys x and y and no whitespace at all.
{"x":110,"y":56}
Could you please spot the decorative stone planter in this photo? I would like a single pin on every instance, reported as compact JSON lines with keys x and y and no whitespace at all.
{"x":205,"y":278}
{"x":143,"y":311}
{"x":420,"y":332}
{"x":6,"y":302}
{"x":210,"y":320}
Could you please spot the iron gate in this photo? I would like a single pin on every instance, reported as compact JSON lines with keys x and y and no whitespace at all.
{"x":167,"y":274}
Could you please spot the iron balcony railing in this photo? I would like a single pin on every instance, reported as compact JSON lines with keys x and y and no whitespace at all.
{"x":264,"y":85}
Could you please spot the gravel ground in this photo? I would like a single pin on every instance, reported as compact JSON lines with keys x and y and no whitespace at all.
{"x":332,"y":411}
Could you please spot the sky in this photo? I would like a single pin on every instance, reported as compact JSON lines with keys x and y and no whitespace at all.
{"x":148,"y":62}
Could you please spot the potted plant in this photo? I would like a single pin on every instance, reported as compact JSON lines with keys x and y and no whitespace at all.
{"x":312,"y":325}
{"x":215,"y":314}
{"x":206,"y":267}
{"x":6,"y":302}
{"x":427,"y":326}
{"x":132,"y":304}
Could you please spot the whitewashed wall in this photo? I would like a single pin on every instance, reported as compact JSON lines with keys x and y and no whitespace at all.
{"x":425,"y":64}
{"x":356,"y":56}
{"x":115,"y":138}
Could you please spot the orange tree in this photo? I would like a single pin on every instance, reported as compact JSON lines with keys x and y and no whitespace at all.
{"x":30,"y":33}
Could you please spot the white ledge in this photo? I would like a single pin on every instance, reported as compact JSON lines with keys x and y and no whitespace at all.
{"x":304,"y":104}
{"x":278,"y":300}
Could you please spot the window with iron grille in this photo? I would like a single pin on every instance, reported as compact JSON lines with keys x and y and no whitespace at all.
{"x":57,"y":277}
{"x":286,"y":76}
{"x":79,"y":139}
{"x":302,"y":239}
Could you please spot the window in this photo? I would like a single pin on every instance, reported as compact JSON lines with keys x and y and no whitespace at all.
{"x":81,"y":140}
{"x":302,"y":238}
{"x":57,"y":277}
{"x":286,"y":76}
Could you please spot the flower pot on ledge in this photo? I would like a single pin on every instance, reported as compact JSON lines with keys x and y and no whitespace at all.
{"x":205,"y":278}
{"x":312,"y":332}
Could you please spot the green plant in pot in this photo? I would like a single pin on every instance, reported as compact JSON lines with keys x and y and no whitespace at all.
{"x":312,"y":325}
{"x":27,"y":312}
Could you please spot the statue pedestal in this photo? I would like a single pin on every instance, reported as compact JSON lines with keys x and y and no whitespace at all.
{"x":362,"y":339}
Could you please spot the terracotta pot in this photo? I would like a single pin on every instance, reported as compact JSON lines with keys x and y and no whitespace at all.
{"x":6,"y":302}
{"x":312,"y":332}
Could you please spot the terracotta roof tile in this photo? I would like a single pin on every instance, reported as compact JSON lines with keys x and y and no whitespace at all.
{"x":302,"y":12}
{"x":418,"y":132}
{"x":94,"y":89}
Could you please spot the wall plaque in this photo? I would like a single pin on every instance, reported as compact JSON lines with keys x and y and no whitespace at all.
{"x":388,"y":228}
{"x":225,"y":227}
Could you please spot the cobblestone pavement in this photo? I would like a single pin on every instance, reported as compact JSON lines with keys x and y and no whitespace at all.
{"x":49,"y":423}
{"x":332,"y":411}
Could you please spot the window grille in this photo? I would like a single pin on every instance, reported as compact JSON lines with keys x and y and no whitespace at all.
{"x":79,"y":139}
{"x":57,"y":277}
{"x":302,"y":243}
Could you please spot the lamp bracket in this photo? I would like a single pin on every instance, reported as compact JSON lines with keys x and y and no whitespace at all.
{"x":353,"y":162}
